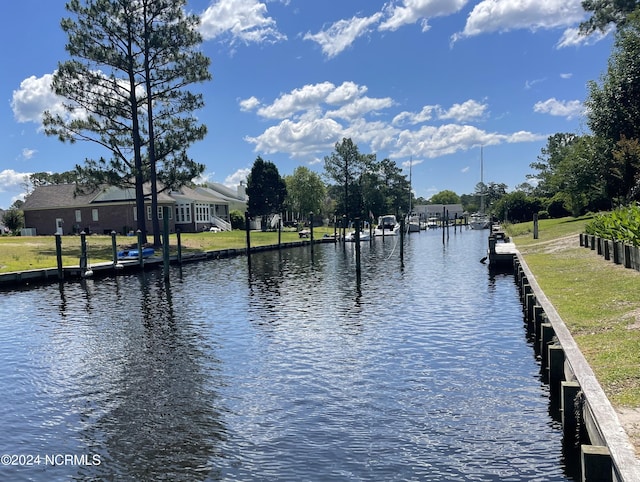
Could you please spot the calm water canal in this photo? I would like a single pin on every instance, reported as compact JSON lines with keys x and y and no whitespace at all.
{"x":288,"y":371}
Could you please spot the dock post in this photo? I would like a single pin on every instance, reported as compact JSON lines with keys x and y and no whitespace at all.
{"x":568,"y":394}
{"x":545,"y":340}
{"x":556,"y":370}
{"x":140,"y":258}
{"x":83,"y":253}
{"x":344,"y":227}
{"x":165,"y":241}
{"x":538,"y":314}
{"x":247,"y":229}
{"x":114,"y":248}
{"x":311,"y":231}
{"x":59,"y":256}
{"x":447,"y":220}
{"x":179,"y":241}
{"x":401,"y":241}
{"x":357,"y":246}
{"x":595,"y":464}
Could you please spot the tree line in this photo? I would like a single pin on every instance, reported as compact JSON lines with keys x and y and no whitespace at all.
{"x":580,"y":173}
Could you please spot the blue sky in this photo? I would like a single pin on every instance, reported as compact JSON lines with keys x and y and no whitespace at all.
{"x":422,"y":81}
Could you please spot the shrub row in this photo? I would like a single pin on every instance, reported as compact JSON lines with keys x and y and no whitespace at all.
{"x":621,"y":224}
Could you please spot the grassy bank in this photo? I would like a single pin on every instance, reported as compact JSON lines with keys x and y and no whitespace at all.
{"x":598,"y":300}
{"x":37,"y":252}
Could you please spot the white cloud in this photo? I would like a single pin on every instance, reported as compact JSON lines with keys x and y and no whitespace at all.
{"x":311,"y":119}
{"x":572,"y":38}
{"x":232,"y":181}
{"x":524,"y":136}
{"x":11,"y":180}
{"x":411,"y":163}
{"x":301,"y":138}
{"x":242,"y":20}
{"x":413,"y":10}
{"x":340,"y":35}
{"x":314,"y":101}
{"x":204,"y":178}
{"x":302,"y":99}
{"x":28,"y":153}
{"x":560,"y":108}
{"x":33,"y":98}
{"x":505,"y":15}
{"x":469,"y":110}
{"x":414,"y":117}
{"x":249,"y":104}
{"x":530,"y":83}
{"x":360,"y":107}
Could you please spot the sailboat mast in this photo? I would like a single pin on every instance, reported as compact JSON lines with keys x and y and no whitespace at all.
{"x":410,"y":166}
{"x":481,"y":182}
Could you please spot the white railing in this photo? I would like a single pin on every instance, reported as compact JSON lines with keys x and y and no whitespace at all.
{"x":221,"y":223}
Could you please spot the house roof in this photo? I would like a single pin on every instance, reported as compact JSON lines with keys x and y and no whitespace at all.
{"x":224,"y":192}
{"x":187,"y":194}
{"x":64,"y":196}
{"x":56,"y":196}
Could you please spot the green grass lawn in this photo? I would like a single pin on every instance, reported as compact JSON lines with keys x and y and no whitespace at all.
{"x":37,"y":252}
{"x":598,"y":301}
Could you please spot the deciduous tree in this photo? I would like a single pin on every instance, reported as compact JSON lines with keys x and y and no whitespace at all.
{"x":305,"y":192}
{"x":606,"y":13}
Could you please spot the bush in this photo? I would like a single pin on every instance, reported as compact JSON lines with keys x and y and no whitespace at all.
{"x":543,"y":214}
{"x":14,"y":220}
{"x":622,"y":224}
{"x":237,"y":219}
{"x":556,"y":207}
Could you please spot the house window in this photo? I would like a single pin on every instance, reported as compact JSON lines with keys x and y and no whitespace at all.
{"x":160,"y":216}
{"x":202,"y":213}
{"x":78,"y":216}
{"x":94,"y":214}
{"x":183,"y":213}
{"x":149,"y":212}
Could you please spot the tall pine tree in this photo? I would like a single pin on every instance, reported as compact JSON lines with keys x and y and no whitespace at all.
{"x":125,"y":89}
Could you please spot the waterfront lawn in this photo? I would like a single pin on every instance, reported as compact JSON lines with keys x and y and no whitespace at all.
{"x":598,"y":301}
{"x":22,"y":253}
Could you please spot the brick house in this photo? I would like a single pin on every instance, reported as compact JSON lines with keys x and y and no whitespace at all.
{"x":58,"y":209}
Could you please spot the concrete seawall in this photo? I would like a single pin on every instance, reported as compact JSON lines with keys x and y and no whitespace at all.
{"x":588,"y":418}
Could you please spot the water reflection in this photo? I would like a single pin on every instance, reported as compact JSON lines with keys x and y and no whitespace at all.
{"x":142,"y":384}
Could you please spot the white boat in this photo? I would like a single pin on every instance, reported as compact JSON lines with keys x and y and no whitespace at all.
{"x":351,"y":236}
{"x":387,"y":226}
{"x":479,"y":221}
{"x":432,"y":223}
{"x":413,"y":223}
